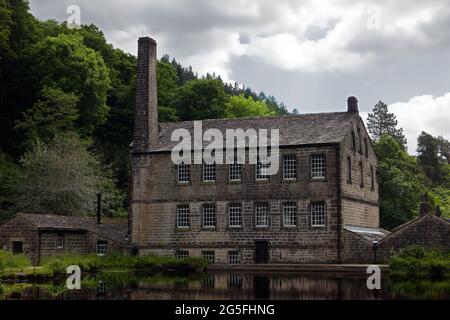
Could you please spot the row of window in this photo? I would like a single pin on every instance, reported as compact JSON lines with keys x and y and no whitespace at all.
{"x":234,"y":257}
{"x":102,"y":245}
{"x":235,"y":169}
{"x":360,"y":143}
{"x":361,"y":173}
{"x":209,"y":219}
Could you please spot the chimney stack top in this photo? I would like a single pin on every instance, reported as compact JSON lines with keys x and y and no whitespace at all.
{"x":147,"y":39}
{"x":352,"y":105}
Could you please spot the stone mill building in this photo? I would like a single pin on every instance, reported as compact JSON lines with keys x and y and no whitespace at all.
{"x":233,"y":213}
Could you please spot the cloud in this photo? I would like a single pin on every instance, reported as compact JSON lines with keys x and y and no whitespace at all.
{"x":423,"y":113}
{"x":306,"y":36}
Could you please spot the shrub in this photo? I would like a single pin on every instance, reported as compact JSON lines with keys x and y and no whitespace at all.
{"x":416,"y":261}
{"x":10,"y":261}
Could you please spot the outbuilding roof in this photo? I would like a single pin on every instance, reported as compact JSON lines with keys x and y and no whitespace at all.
{"x":113,"y":229}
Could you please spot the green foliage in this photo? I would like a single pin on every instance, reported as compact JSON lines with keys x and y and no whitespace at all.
{"x":117,"y":261}
{"x":440,"y":197}
{"x":431,"y":155}
{"x":400,"y":185}
{"x":240,"y":106}
{"x":416,"y":261}
{"x":66,"y":63}
{"x":382,"y":122}
{"x":9,"y":171}
{"x":54,"y":113}
{"x":14,"y":262}
{"x":201,"y":99}
{"x":60,"y":177}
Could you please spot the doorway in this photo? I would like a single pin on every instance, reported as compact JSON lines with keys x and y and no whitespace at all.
{"x":261,"y":251}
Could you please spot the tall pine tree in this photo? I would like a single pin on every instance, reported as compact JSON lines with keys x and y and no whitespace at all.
{"x":381,"y":122}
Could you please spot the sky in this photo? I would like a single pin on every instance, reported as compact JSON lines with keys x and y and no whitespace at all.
{"x":309,"y":54}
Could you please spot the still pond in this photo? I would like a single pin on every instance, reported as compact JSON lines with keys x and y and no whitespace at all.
{"x":222,"y":285}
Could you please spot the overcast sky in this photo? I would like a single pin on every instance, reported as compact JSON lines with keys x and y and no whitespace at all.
{"x":309,"y":54}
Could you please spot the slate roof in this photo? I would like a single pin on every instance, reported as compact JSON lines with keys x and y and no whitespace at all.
{"x":113,"y":229}
{"x":304,"y":129}
{"x":372,"y":235}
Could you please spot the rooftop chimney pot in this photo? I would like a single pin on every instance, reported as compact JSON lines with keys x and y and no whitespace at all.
{"x":352,"y":105}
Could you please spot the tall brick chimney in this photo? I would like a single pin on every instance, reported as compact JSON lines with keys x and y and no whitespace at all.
{"x":352,"y":105}
{"x":146,"y":109}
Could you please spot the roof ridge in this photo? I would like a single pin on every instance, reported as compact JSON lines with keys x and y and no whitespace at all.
{"x":256,"y":117}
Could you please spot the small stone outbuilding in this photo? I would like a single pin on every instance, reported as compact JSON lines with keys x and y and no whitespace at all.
{"x":39,"y":236}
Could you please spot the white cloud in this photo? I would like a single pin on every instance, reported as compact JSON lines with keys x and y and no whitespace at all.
{"x":423,"y":113}
{"x":308,"y":36}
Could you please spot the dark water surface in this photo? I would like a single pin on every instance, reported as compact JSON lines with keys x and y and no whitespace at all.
{"x":222,"y":285}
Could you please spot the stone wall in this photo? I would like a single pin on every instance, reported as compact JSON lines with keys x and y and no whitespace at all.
{"x":156,"y":195}
{"x":356,"y":249}
{"x":18,"y":229}
{"x":359,"y":201}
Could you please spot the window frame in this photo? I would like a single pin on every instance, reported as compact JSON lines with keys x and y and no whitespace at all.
{"x":103,"y":244}
{"x":294,"y":205}
{"x":259,"y":167}
{"x":210,"y":253}
{"x":361,"y":173}
{"x":349,"y":170}
{"x":182,"y":254}
{"x":183,"y":206}
{"x":187,"y":173}
{"x":209,"y":170}
{"x":230,"y":206}
{"x":260,"y":205}
{"x":60,"y":236}
{"x":231,"y":170}
{"x":323,"y":219}
{"x":214,"y":219}
{"x":237,"y":257}
{"x":292,"y":169}
{"x":322,"y":177}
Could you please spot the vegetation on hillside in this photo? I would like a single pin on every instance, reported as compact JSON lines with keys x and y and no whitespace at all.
{"x":60,"y":85}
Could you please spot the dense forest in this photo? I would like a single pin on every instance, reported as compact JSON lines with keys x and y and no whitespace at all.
{"x":66,"y":119}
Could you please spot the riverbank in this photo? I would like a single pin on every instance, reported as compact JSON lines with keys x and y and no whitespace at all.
{"x":20,"y":268}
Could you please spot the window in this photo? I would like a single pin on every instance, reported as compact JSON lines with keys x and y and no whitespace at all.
{"x":208,"y":255}
{"x":372,"y":178}
{"x":361,"y":174}
{"x":182,"y":254}
{"x":261,"y":215}
{"x":318,"y":166}
{"x":261,"y":170}
{"x":60,"y":240}
{"x":17,"y":247}
{"x":102,"y":247}
{"x":359,"y":141}
{"x":353,"y":140}
{"x":366,"y":147}
{"x":289,"y":167}
{"x":234,"y":257}
{"x":318,"y":214}
{"x":235,"y":171}
{"x":183,"y":216}
{"x":209,"y":172}
{"x":234,"y":215}
{"x":289,"y":214}
{"x":349,"y":170}
{"x":183,"y":173}
{"x":209,"y":216}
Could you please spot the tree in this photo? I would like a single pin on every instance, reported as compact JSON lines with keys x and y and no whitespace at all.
{"x":201,"y":99}
{"x":66,"y":63}
{"x":63,"y":177}
{"x":381,"y":122}
{"x":240,"y":106}
{"x":400,"y":183}
{"x":54,"y":113}
{"x":9,"y":172}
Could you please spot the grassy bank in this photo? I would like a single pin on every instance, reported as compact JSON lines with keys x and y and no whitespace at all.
{"x":418,"y":262}
{"x":18,"y":266}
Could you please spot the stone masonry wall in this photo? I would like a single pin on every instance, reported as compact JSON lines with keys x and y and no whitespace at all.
{"x":359,"y":202}
{"x":156,"y":194}
{"x":18,"y":229}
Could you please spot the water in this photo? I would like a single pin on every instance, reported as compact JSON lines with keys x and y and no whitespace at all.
{"x":223,"y":285}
